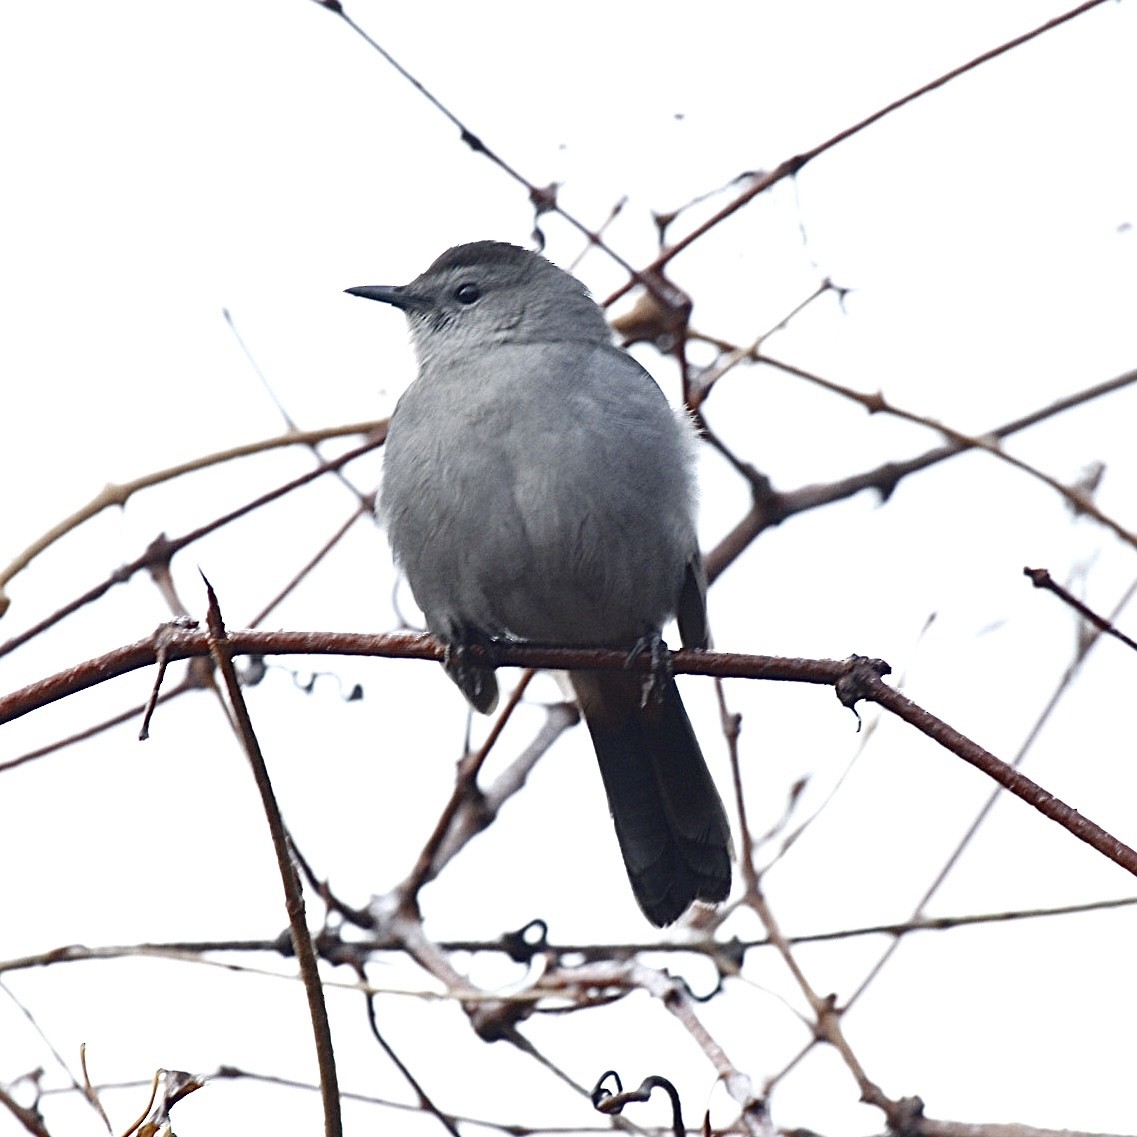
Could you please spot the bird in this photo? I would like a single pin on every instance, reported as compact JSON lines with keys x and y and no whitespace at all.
{"x":538,"y":487}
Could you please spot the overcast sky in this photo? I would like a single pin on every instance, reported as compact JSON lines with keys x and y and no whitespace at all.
{"x":163,"y":163}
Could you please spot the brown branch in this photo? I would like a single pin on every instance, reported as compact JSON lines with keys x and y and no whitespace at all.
{"x":119,"y":494}
{"x":191,"y":682}
{"x":793,"y":165}
{"x":872,"y":688}
{"x":28,"y":1116}
{"x":1041,"y":578}
{"x":366,"y":508}
{"x":162,"y":549}
{"x":558,"y":718}
{"x":1085,"y":647}
{"x":222,"y":652}
{"x":827,"y":1016}
{"x":876,"y":403}
{"x":732,"y":728}
{"x":184,"y":644}
{"x":465,"y":794}
{"x":930,"y":1127}
{"x":424,"y":1099}
{"x":725,"y":955}
{"x":854,"y":679}
{"x":770,"y":507}
{"x":544,"y":198}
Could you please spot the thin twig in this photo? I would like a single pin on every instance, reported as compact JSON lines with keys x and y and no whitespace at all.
{"x":793,"y":165}
{"x":194,"y":951}
{"x":164,"y":548}
{"x":1041,"y":578}
{"x":425,"y":1100}
{"x":770,"y":507}
{"x":119,"y":494}
{"x":465,"y":790}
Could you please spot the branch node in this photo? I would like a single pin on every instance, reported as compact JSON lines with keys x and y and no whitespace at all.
{"x":162,"y":637}
{"x":905,"y":1117}
{"x":473,"y":141}
{"x":544,"y":198}
{"x":862,"y":674}
{"x":875,"y":402}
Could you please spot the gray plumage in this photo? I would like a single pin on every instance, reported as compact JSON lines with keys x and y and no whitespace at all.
{"x":537,"y":486}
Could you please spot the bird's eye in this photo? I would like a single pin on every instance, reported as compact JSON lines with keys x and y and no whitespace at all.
{"x":467,"y":293}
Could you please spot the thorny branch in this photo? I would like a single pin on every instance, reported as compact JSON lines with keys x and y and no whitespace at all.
{"x":162,"y":549}
{"x":221,"y":650}
{"x":398,"y":926}
{"x":120,"y":494}
{"x":854,"y":679}
{"x":770,"y":507}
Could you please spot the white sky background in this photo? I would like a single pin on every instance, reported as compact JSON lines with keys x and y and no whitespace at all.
{"x":163,"y":162}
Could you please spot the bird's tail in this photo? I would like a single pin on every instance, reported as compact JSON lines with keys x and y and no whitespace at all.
{"x":669,"y":819}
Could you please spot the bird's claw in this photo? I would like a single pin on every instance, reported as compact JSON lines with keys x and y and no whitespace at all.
{"x":476,"y":679}
{"x":661,"y":672}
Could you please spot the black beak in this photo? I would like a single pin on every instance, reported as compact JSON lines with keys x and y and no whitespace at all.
{"x":395,"y":294}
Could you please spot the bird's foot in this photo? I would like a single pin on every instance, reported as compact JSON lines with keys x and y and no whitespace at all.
{"x":661,"y":673}
{"x":476,"y":679}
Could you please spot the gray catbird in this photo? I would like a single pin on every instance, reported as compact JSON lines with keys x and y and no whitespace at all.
{"x":537,"y":486}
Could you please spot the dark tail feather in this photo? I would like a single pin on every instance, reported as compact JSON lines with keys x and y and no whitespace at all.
{"x":670,"y":822}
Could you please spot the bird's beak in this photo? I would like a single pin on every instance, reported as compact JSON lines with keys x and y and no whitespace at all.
{"x":398,"y":295}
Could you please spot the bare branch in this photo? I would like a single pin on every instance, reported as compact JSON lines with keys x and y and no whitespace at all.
{"x":222,"y":653}
{"x":120,"y":494}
